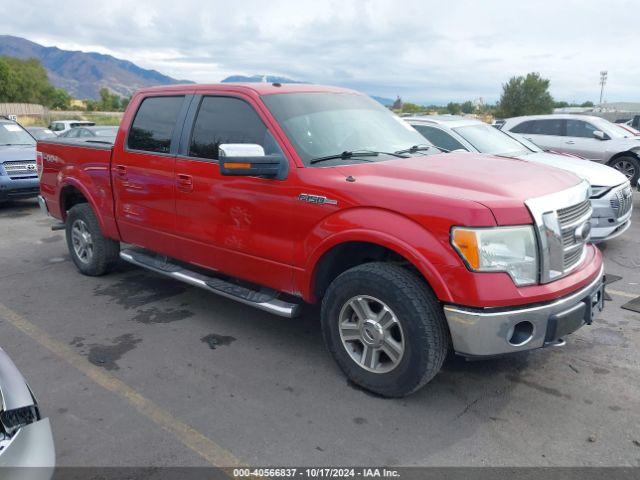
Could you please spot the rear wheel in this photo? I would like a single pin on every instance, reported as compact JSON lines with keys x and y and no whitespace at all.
{"x":92,"y":253}
{"x":629,"y":166}
{"x":385,"y":328}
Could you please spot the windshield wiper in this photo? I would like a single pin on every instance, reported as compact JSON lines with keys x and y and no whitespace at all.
{"x":422,"y":148}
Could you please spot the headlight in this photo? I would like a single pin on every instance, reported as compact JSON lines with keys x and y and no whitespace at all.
{"x":501,"y":249}
{"x":597,"y":192}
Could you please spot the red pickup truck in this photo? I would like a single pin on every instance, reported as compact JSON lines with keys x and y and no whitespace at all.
{"x":275,"y":195}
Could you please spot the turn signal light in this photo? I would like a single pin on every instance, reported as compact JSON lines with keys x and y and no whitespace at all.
{"x":240,"y":166}
{"x":466,"y":242}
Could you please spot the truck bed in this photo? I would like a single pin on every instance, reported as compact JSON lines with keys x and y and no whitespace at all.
{"x":86,"y":167}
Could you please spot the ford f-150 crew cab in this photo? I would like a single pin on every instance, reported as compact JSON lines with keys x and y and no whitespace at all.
{"x":274,"y":195}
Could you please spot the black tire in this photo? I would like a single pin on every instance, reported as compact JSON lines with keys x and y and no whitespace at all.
{"x":105,"y":251}
{"x":618,"y":163}
{"x":420,"y":315}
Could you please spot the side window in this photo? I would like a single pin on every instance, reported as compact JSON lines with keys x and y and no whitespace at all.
{"x":439,"y":138}
{"x":152,"y":128}
{"x":73,"y":133}
{"x":524,"y":127}
{"x":227,"y":120}
{"x":56,"y":127}
{"x":580,"y":128}
{"x":547,"y":127}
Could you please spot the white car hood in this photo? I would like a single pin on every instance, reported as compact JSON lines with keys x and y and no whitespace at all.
{"x":594,"y":173}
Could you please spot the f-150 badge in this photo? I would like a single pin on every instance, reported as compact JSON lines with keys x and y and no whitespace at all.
{"x":317,"y":199}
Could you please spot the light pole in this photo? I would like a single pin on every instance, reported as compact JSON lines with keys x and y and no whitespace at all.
{"x":603,"y":81}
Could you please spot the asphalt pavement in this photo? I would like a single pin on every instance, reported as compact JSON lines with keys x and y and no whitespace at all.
{"x":137,"y":370}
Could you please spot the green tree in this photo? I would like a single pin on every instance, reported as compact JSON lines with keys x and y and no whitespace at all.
{"x":408,"y":107}
{"x":587,"y":104}
{"x":525,"y":96}
{"x":467,"y":107}
{"x":124,"y":103}
{"x":453,"y":108}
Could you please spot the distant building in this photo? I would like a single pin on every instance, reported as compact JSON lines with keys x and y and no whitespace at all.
{"x":397,"y":105}
{"x":611,"y":111}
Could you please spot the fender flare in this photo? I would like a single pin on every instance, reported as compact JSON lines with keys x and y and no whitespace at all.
{"x":75,"y":183}
{"x":392,"y":242}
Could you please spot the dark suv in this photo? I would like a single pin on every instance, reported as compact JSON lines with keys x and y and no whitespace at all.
{"x":18,"y":173}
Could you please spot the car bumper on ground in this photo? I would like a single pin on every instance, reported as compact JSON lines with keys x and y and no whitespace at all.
{"x":489,"y":332}
{"x":11,"y":188}
{"x":25,"y":437}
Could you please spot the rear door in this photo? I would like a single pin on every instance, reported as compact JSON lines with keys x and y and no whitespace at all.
{"x":143,"y":173}
{"x":548,"y":134}
{"x":238,"y":225}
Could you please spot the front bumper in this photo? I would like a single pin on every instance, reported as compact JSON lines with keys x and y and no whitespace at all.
{"x":31,"y":446}
{"x":16,"y":188}
{"x":605,"y":222}
{"x":496,"y":331}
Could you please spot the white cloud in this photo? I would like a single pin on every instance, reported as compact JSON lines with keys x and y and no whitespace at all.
{"x":428,"y":51}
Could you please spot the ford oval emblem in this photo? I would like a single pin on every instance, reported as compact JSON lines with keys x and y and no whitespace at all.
{"x":582,"y":232}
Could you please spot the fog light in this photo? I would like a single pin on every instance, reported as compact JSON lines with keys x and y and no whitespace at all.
{"x":522,"y":332}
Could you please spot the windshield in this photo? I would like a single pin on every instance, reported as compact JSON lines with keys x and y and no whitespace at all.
{"x":324,"y":124}
{"x":611,"y":129}
{"x":488,"y":139}
{"x":14,"y":134}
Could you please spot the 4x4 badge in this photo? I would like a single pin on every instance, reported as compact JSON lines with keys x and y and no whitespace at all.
{"x":317,"y":199}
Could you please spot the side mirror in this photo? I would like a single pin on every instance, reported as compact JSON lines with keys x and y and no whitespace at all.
{"x":249,"y":160}
{"x":600,"y":135}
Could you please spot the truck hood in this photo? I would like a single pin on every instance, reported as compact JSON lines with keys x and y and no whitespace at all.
{"x":594,"y":173}
{"x":17,"y":152}
{"x":501,"y":184}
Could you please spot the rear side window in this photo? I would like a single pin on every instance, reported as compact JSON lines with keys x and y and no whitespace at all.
{"x":439,"y":138}
{"x":154,"y":123}
{"x":546,"y":127}
{"x":524,"y":127}
{"x":227,"y":120}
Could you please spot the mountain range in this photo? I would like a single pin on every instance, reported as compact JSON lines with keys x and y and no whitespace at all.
{"x":83,"y":74}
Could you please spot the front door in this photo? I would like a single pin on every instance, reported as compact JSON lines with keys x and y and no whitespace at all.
{"x":237,"y":225}
{"x":143,"y":174}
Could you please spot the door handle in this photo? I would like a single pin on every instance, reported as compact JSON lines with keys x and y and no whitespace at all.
{"x":185,"y":182}
{"x":120,"y":170}
{"x":570,"y":142}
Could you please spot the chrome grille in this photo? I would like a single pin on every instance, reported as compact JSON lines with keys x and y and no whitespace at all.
{"x":569,"y":219}
{"x":20,"y":168}
{"x":623,"y":201}
{"x":559,"y":218}
{"x":569,"y":215}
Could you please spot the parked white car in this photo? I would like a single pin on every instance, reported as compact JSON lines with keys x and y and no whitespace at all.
{"x":61,"y":126}
{"x":590,"y":137}
{"x":611,"y":199}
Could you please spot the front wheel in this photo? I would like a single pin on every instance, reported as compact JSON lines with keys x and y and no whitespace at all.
{"x":92,"y":252}
{"x":385,"y":328}
{"x":629,"y":166}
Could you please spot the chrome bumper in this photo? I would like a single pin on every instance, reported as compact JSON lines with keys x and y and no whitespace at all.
{"x":488,"y":332}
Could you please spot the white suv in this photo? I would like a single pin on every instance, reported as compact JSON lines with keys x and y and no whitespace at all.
{"x":590,"y":137}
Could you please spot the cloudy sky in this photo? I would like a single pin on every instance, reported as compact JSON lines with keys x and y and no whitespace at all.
{"x":424,"y":50}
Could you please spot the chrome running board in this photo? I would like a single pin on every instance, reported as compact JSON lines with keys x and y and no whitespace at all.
{"x":264,"y":299}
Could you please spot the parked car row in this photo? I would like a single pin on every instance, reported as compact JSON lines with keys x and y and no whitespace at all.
{"x":611,"y":197}
{"x":593,"y":138}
